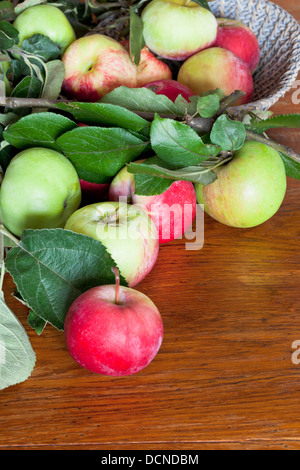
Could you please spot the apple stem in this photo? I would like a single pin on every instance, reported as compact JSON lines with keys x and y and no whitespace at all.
{"x":117,"y":276}
{"x":186,"y":2}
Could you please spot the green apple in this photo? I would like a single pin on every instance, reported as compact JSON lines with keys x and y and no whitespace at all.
{"x":177,"y":29}
{"x":128,"y":233}
{"x":47,"y":20}
{"x":249,"y":189}
{"x":40,"y":189}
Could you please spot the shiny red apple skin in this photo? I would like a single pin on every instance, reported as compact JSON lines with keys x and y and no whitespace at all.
{"x":113,"y":339}
{"x":94,"y":192}
{"x":170,"y":88}
{"x":172,"y":211}
{"x":94,"y":66}
{"x":239,"y":39}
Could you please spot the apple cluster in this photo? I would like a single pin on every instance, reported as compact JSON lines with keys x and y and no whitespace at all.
{"x":115,"y":330}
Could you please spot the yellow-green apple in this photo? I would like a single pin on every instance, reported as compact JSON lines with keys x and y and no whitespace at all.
{"x":47,"y":20}
{"x":127,"y":232}
{"x":170,"y":88}
{"x":217,"y":68}
{"x":249,"y":189}
{"x":40,"y":189}
{"x":172,"y":211}
{"x":113,"y":330}
{"x":239,"y":39}
{"x":94,"y":66}
{"x":150,"y":67}
{"x":177,"y":29}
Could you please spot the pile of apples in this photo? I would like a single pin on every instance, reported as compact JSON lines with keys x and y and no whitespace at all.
{"x":114,"y":330}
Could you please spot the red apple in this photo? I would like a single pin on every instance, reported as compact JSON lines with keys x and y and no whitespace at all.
{"x":170,"y":88}
{"x":217,"y":68}
{"x":239,"y":39}
{"x":94,"y":192}
{"x":172,"y":212}
{"x":150,"y":67}
{"x":94,"y":66}
{"x":113,"y":330}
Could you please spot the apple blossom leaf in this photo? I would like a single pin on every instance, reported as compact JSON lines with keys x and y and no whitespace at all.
{"x":38,"y":130}
{"x":177,"y":144}
{"x":41,"y":46}
{"x":292,"y":168}
{"x":228,"y":134}
{"x":7,"y":11}
{"x":9,"y":36}
{"x":196,"y":173}
{"x":149,"y":185}
{"x":28,"y":87}
{"x":136,"y":38}
{"x":106,"y":114}
{"x":288,"y":120}
{"x":52,"y":267}
{"x":17,"y":358}
{"x":100,"y":151}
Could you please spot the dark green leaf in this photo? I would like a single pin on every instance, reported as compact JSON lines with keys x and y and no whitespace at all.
{"x":136,"y":41}
{"x":195,"y":174}
{"x":7,"y":11}
{"x":287,"y":120}
{"x":9,"y":36}
{"x":148,"y":185}
{"x":208,"y":106}
{"x":29,"y":87}
{"x":100,"y":151}
{"x":177,"y":144}
{"x":51,"y":268}
{"x":41,"y":46}
{"x":38,"y":130}
{"x":292,"y":168}
{"x":36,"y":322}
{"x":106,"y":114}
{"x":228,"y":134}
{"x":203,"y":3}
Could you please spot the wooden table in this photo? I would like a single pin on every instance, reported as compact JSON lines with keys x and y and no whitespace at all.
{"x":224,"y":377}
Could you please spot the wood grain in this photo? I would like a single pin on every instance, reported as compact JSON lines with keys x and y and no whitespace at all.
{"x":224,"y":377}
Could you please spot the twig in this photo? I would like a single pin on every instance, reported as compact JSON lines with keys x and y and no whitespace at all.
{"x":279,"y":147}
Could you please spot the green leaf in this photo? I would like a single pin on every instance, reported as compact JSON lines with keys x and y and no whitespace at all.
{"x":52,"y":267}
{"x":149,"y":185}
{"x":203,"y":3}
{"x":106,"y":114}
{"x":195,"y":174}
{"x":54,"y":77}
{"x":136,"y":38}
{"x":98,"y":151}
{"x":7,"y":11}
{"x":36,"y":322}
{"x":38,"y":130}
{"x":29,"y":87}
{"x":292,"y":168}
{"x":41,"y":46}
{"x":140,"y":99}
{"x":177,"y":144}
{"x":228,"y":134}
{"x":17,"y":358}
{"x":208,"y":106}
{"x":9,"y":36}
{"x":287,"y":120}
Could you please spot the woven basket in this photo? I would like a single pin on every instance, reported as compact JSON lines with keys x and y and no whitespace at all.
{"x":278,"y":34}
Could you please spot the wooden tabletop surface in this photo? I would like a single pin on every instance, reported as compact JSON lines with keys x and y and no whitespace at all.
{"x":224,"y":377}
